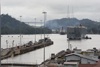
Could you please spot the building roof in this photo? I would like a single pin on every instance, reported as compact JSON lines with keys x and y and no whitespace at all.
{"x":82,"y":56}
{"x":87,"y":65}
{"x":90,"y":65}
{"x":98,"y":64}
{"x":49,"y":65}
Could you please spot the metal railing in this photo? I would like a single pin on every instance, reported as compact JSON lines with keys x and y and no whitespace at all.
{"x":19,"y":63}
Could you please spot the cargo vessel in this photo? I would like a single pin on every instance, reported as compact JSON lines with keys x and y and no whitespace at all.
{"x":76,"y":32}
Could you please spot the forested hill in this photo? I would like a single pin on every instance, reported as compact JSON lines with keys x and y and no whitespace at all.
{"x":10,"y":25}
{"x":57,"y":24}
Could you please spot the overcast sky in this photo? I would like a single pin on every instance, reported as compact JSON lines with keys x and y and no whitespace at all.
{"x":56,"y":9}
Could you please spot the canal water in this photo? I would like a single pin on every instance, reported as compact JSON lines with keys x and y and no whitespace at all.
{"x":60,"y":43}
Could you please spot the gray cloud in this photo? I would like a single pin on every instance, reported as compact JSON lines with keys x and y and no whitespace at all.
{"x":56,"y":9}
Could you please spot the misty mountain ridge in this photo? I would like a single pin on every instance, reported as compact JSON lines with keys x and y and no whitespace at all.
{"x":10,"y":25}
{"x":57,"y":24}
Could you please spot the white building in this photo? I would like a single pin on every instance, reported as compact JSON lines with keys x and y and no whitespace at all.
{"x":74,"y":57}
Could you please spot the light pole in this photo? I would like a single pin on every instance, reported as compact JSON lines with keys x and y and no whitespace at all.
{"x":35,"y":29}
{"x":20,"y":30}
{"x":41,"y":29}
{"x":7,"y":44}
{"x":0,"y":33}
{"x":44,"y":34}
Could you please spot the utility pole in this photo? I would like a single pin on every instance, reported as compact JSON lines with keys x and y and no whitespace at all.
{"x":68,"y":44}
{"x":0,"y":33}
{"x":20,"y":31}
{"x":35,"y":29}
{"x":68,"y":12}
{"x":44,"y":34}
{"x":41,"y":29}
{"x":72,"y":12}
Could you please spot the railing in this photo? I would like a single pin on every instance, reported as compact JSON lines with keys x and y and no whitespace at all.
{"x":17,"y":63}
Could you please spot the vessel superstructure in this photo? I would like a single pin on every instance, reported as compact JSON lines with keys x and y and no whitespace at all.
{"x":76,"y":32}
{"x":62,"y":31}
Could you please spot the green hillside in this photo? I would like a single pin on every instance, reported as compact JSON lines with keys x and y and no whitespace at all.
{"x":57,"y":24}
{"x":10,"y":25}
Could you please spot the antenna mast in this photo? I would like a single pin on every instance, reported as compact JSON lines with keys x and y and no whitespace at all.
{"x":72,"y":12}
{"x":68,"y":12}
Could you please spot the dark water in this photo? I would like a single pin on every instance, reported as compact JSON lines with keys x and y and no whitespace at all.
{"x":60,"y":43}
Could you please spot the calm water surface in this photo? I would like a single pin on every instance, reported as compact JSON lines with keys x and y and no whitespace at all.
{"x":60,"y":43}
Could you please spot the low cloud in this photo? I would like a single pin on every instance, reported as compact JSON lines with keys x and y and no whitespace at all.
{"x":55,"y":9}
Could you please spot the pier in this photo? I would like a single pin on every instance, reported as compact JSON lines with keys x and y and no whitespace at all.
{"x":14,"y":51}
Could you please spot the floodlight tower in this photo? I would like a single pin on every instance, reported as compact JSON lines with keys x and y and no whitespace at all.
{"x":20,"y":30}
{"x":35,"y":29}
{"x":41,"y":29}
{"x":44,"y":34}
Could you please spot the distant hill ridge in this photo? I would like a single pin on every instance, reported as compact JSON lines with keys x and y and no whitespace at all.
{"x":10,"y":25}
{"x":57,"y":24}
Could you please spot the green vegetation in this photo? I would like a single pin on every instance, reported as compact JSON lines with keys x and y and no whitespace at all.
{"x":10,"y":25}
{"x":93,"y":27}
